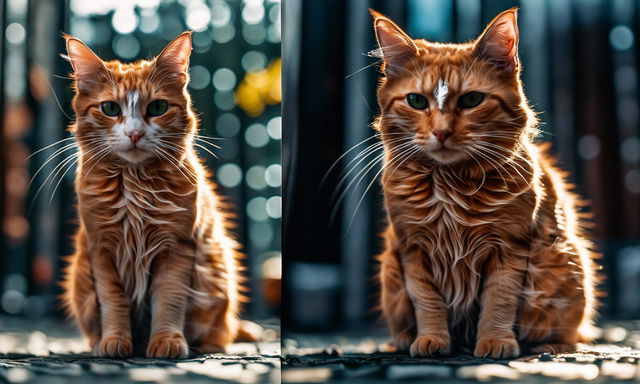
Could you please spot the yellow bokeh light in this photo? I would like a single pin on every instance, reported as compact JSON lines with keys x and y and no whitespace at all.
{"x":259,"y":89}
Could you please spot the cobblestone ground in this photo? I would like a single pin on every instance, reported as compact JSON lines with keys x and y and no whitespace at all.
{"x":52,"y":352}
{"x":615,"y":358}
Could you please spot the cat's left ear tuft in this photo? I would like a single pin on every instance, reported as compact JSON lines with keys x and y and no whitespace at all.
{"x":175,"y":56}
{"x":498,"y":43}
{"x":86,"y":64}
{"x":395,"y":45}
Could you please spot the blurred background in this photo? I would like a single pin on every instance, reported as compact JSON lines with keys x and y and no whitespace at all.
{"x":235,"y":85}
{"x":580,"y":72}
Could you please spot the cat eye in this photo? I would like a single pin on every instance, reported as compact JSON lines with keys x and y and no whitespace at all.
{"x":417,"y":101}
{"x":110,"y":108}
{"x":157,"y":107}
{"x":470,"y":100}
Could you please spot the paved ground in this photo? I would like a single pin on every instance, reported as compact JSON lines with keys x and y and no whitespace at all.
{"x":51,"y":352}
{"x":355,"y":359}
{"x":47,"y":351}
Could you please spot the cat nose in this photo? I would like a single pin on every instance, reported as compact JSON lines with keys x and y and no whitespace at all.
{"x":135,"y":136}
{"x":442,"y":134}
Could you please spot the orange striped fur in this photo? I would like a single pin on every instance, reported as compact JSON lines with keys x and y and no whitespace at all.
{"x":485,"y":249}
{"x":155,"y":269}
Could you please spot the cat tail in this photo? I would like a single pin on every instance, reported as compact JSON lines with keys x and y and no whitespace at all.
{"x":248,"y":331}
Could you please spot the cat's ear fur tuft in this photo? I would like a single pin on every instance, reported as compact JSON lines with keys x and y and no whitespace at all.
{"x":86,"y":65}
{"x":175,"y":57}
{"x":498,"y":43}
{"x":395,"y":44}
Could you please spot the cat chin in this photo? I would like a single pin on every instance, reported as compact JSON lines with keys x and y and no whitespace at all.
{"x":135,"y":155}
{"x":447,"y":156}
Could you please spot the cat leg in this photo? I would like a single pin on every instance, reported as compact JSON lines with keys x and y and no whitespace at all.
{"x":170,"y":280}
{"x":212,"y":326}
{"x":430,"y":310}
{"x":395,"y":302}
{"x":212,"y":322}
{"x":498,"y":308}
{"x":550,"y":323}
{"x":114,"y":307}
{"x":81,"y":298}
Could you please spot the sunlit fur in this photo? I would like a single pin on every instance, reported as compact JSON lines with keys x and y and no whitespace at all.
{"x":485,"y":249}
{"x":155,"y":269}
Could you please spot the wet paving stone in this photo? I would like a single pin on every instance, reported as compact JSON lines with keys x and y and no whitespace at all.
{"x":48,"y":351}
{"x":614,"y":358}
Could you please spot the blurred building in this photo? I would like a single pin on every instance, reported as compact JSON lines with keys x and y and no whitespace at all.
{"x":580,"y":61}
{"x":235,"y":86}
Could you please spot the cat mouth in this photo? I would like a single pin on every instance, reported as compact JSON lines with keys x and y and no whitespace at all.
{"x":134,"y":154}
{"x":446,"y":155}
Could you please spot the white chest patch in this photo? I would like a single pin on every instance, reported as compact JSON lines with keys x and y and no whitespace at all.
{"x":441,"y":92}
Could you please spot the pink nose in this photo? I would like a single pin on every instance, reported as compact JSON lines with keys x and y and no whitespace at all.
{"x":135,"y":136}
{"x":442,"y":134}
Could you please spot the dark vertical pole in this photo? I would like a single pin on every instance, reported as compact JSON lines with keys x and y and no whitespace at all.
{"x":291,"y":43}
{"x":562,"y":62}
{"x":356,"y":219}
{"x":3,"y":152}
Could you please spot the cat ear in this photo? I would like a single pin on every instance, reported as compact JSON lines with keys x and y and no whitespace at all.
{"x":499,"y":41}
{"x":395,"y":45}
{"x":174,"y":58}
{"x":86,"y":65}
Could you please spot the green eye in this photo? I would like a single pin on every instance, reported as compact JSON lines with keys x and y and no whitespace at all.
{"x":110,"y":108}
{"x":157,"y":107}
{"x":470,"y":100}
{"x":417,"y":101}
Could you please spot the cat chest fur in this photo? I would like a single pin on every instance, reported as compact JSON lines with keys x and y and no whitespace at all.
{"x":453,"y":232}
{"x":141,"y":218}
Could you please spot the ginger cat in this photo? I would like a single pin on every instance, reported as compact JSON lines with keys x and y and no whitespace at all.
{"x":485,"y":250}
{"x":155,"y":270}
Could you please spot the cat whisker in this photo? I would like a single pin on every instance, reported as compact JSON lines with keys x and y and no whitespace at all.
{"x":335,"y":163}
{"x":407,"y":154}
{"x":354,"y":168}
{"x":359,"y":177}
{"x":53,"y":173}
{"x":49,"y":146}
{"x":71,"y":165}
{"x":104,"y":152}
{"x":173,"y":161}
{"x":57,"y":153}
{"x":363,"y":155}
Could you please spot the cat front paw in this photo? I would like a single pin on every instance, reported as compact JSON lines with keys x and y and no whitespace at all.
{"x":430,"y":345}
{"x":168,"y":345}
{"x":115,"y":346}
{"x":497,"y":347}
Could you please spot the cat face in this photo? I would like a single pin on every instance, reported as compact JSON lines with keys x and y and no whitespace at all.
{"x":132,"y":112}
{"x":451,"y":102}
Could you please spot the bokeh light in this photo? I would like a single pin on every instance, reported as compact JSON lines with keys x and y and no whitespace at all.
{"x":199,"y":77}
{"x":274,"y":127}
{"x":621,"y":37}
{"x":125,"y":20}
{"x":198,"y":17}
{"x":230,"y":175}
{"x":255,"y":177}
{"x":126,"y":46}
{"x":224,"y":79}
{"x":273,"y":175}
{"x":256,"y":135}
{"x":257,"y":209}
{"x":274,"y":207}
{"x":228,"y":125}
{"x":15,"y":33}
